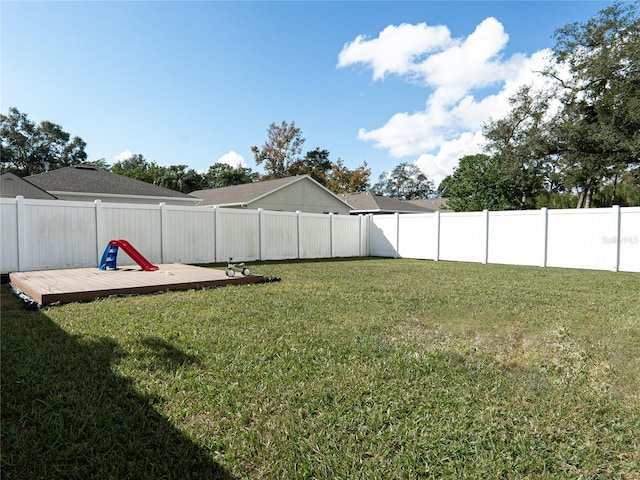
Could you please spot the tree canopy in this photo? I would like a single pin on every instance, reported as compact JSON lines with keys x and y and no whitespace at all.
{"x":343,"y":180}
{"x":27,"y":148}
{"x":584,"y":153}
{"x":280,"y":150}
{"x":405,"y":182}
{"x":598,"y":128}
{"x":224,"y":175}
{"x":280,"y":156}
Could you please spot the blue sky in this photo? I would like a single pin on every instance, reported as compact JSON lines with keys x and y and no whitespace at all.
{"x":199,"y":82}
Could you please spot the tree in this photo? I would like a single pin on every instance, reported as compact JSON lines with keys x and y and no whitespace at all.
{"x":280,"y":150}
{"x":315,"y":163}
{"x":598,"y":127}
{"x":587,"y":145}
{"x":101,"y":163}
{"x":180,"y":178}
{"x":340,"y":179}
{"x":224,"y":175}
{"x":522,"y":149}
{"x":27,"y":148}
{"x":405,"y":182}
{"x":136,"y":166}
{"x":477,"y":183}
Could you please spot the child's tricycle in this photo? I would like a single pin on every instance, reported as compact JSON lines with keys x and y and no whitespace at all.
{"x":233,"y":267}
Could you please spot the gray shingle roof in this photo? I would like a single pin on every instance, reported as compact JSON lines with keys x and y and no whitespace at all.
{"x":367,"y":202}
{"x":88,"y":179}
{"x":432,"y":203}
{"x":12,"y":185}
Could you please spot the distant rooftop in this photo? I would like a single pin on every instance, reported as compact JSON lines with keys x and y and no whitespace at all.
{"x":242,"y":194}
{"x":367,"y":202}
{"x":89,"y":179}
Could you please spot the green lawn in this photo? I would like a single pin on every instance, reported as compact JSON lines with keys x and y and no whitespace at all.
{"x":348,"y":369}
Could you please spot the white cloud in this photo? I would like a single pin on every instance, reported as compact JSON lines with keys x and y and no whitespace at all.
{"x":233,"y":158}
{"x":123,"y":155}
{"x":395,"y":49}
{"x":467,"y":83}
{"x":440,"y":164}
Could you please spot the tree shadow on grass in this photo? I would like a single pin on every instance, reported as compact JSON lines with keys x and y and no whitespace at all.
{"x":65,"y":414}
{"x":168,"y":356}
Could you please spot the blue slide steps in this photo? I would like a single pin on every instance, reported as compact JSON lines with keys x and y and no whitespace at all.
{"x":109,"y":257}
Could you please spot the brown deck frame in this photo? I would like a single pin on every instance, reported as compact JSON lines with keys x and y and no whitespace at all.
{"x":83,"y":284}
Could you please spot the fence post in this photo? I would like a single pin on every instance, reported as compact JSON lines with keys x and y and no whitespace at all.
{"x":215,"y":234}
{"x":331,"y":246}
{"x":369,"y":234}
{"x":397,"y":247}
{"x":544,"y":213}
{"x":360,"y":235}
{"x":617,"y":230}
{"x":436,"y":255}
{"x":99,"y":229}
{"x":298,"y":212}
{"x":485,"y":214}
{"x":20,"y":221}
{"x":163,"y":231}
{"x":366,"y":235}
{"x":260,"y":232}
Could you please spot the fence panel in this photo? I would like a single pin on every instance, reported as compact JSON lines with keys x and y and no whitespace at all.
{"x":365,"y":227}
{"x":279,"y":235}
{"x":188,"y":235}
{"x":345,"y":236}
{"x":418,"y":236}
{"x":577,"y":239}
{"x":629,"y":239}
{"x":516,"y":238}
{"x":237,"y":235}
{"x":315,"y":236}
{"x":384,"y":236}
{"x":9,"y":261}
{"x":140,"y":225}
{"x":463,"y":237}
{"x":63,"y":235}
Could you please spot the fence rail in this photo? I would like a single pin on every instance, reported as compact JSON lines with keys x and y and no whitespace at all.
{"x":54,"y":234}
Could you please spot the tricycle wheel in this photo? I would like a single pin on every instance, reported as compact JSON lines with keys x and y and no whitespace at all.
{"x":230,"y":272}
{"x":246,"y":272}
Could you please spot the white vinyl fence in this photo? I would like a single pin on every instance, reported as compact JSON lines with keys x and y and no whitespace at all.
{"x":597,"y":239}
{"x":54,"y":234}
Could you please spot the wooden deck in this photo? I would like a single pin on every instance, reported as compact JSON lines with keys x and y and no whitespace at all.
{"x":82,"y":284}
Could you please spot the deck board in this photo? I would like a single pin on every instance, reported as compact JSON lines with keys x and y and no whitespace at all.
{"x":82,"y":284}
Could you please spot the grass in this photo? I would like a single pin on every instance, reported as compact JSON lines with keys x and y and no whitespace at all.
{"x":351,"y":369}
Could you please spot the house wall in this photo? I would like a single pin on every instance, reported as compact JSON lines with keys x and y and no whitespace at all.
{"x":52,"y":234}
{"x":304,"y":196}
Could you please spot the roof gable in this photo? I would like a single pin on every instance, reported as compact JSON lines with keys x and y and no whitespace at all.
{"x":12,"y":185}
{"x":251,"y":192}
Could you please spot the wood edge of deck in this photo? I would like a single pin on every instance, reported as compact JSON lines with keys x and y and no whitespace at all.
{"x":44,"y":298}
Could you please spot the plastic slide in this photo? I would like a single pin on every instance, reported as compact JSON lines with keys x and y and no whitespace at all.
{"x":111,"y":253}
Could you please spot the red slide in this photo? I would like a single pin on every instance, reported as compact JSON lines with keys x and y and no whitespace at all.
{"x":135,"y":255}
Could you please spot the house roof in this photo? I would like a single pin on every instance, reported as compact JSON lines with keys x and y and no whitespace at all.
{"x":367,"y":202}
{"x":89,"y":179}
{"x":13,"y":185}
{"x":432,"y":203}
{"x":250,"y":192}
